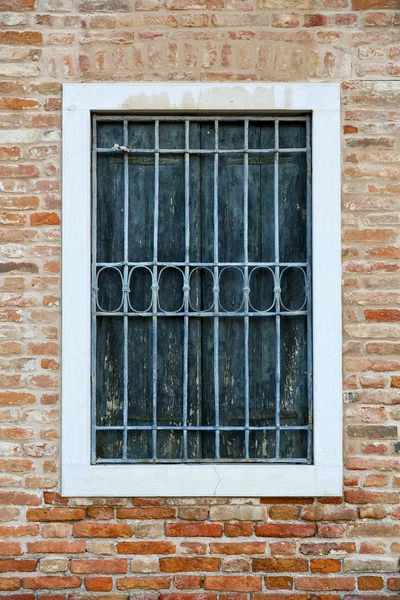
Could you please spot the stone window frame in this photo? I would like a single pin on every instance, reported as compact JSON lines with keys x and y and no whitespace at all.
{"x":79,"y":476}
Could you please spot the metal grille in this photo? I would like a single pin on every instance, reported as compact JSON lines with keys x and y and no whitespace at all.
{"x":120,"y":303}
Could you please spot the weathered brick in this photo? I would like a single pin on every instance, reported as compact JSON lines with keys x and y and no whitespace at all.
{"x":280,"y":565}
{"x":99,"y":565}
{"x":237,"y":548}
{"x":243,"y":583}
{"x":145,"y":513}
{"x":143,"y":583}
{"x":17,"y":565}
{"x":239,"y":529}
{"x":325,"y":583}
{"x":48,"y":582}
{"x":194,"y":529}
{"x":55,"y":514}
{"x":98,"y":584}
{"x":146,"y":548}
{"x":286,"y":530}
{"x":177,"y":564}
{"x":325,"y":565}
{"x":21,"y":37}
{"x":103,"y":530}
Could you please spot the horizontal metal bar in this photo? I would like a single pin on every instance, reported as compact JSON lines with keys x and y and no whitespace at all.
{"x":201,"y":151}
{"x":297,"y":313}
{"x":201,"y":264}
{"x":200,"y":461}
{"x":201,"y":428}
{"x":181,"y":118}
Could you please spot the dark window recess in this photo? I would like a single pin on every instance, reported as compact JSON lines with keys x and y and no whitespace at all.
{"x":201,"y":279}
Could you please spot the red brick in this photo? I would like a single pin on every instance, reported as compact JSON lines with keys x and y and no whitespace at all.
{"x":320,"y":584}
{"x":9,"y":583}
{"x":103,"y":530}
{"x":280,"y":565}
{"x":46,"y":515}
{"x":325,"y":565}
{"x":178,"y":564}
{"x":17,"y":565}
{"x":19,"y":498}
{"x":283,"y":548}
{"x":193,"y":548}
{"x":99,"y":584}
{"x":393,"y":584}
{"x":329,"y":530}
{"x":56,"y":547}
{"x":327,"y":548}
{"x":237,"y":548}
{"x":100,"y":512}
{"x":143,"y":583}
{"x":187,"y":582}
{"x":367,"y":497}
{"x":366,"y":583}
{"x":193,"y":513}
{"x":10,"y":549}
{"x":107,"y":566}
{"x":19,"y":531}
{"x":45,"y":218}
{"x":370,"y":4}
{"x":283,"y":513}
{"x":244,"y":583}
{"x":330,"y":20}
{"x":146,"y":548}
{"x":239,"y":529}
{"x":194,"y":529}
{"x":383,"y":315}
{"x":21,"y":37}
{"x":285,"y":530}
{"x":327,"y":513}
{"x":56,"y":582}
{"x":200,"y":596}
{"x":281,"y":582}
{"x":300,"y":501}
{"x":17,"y":104}
{"x":146,"y":513}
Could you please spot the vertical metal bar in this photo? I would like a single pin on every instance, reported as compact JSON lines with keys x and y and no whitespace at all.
{"x":155,"y":280}
{"x":125,"y":293}
{"x":186,"y":296}
{"x":216,"y":297}
{"x":246,"y":289}
{"x":308,"y":292}
{"x":277,"y":291}
{"x":94,"y":287}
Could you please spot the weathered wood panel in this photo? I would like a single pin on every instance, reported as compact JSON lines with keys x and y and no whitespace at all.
{"x":171,"y":249}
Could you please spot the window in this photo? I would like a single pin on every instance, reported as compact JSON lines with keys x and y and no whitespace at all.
{"x":201,"y":235}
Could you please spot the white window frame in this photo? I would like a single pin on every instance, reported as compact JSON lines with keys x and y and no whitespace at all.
{"x":79,"y":476}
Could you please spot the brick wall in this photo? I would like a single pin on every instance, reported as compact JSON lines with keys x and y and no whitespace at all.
{"x":57,"y":548}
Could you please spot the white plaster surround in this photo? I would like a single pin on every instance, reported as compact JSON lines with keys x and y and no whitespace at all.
{"x":79,"y":476}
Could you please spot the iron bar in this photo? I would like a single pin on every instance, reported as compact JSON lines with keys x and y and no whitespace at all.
{"x":177,"y":118}
{"x":155,"y":283}
{"x":202,"y":264}
{"x":232,"y":461}
{"x":246,"y":288}
{"x":125,"y":294}
{"x":216,"y":295}
{"x":94,"y":294}
{"x":277,"y":291}
{"x":186,"y":296}
{"x":135,"y":151}
{"x":199,"y":314}
{"x":200,"y":428}
{"x":308,"y":296}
